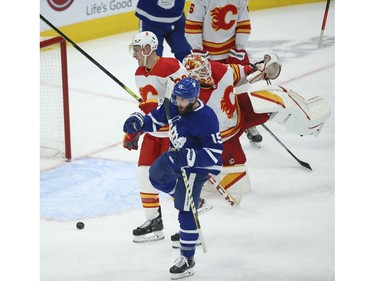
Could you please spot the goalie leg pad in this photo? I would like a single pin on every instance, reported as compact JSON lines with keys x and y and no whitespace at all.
{"x":298,"y":114}
{"x":232,"y":181}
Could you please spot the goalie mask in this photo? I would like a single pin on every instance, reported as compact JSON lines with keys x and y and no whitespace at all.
{"x":185,"y":94}
{"x":199,"y":68}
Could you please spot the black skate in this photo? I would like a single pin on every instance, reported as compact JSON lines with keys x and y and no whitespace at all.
{"x":151,"y":230}
{"x":183,"y":267}
{"x":254,"y":137}
{"x":175,"y":238}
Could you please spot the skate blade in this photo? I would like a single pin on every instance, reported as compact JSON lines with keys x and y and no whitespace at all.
{"x":149,"y":237}
{"x":204,"y":209}
{"x":187,"y":273}
{"x":256,"y":144}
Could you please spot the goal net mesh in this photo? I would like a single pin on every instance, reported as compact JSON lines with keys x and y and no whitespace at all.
{"x":54,"y":99}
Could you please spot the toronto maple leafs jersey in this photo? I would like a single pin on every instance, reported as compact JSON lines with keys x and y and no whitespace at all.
{"x":161,"y":11}
{"x":198,"y":129}
{"x":217,"y":26}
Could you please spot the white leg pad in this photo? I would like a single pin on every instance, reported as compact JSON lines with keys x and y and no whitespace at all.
{"x":234,"y":179}
{"x":298,"y":114}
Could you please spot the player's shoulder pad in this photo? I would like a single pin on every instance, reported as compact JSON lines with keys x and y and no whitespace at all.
{"x":165,"y":67}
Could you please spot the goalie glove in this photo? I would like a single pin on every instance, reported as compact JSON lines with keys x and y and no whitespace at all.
{"x":134,"y":123}
{"x":183,"y":158}
{"x":269,"y":68}
{"x":203,"y":54}
{"x":148,"y":106}
{"x":130,"y":141}
{"x":237,"y":56}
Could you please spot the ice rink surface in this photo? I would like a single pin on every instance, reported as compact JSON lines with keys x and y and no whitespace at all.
{"x":284,"y":227}
{"x":283,"y":230}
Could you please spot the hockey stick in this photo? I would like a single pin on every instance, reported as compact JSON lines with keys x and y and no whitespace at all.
{"x":167,"y":100}
{"x":324,"y":23}
{"x":92,"y":60}
{"x":304,"y":164}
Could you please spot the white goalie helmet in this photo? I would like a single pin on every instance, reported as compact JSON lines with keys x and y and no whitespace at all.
{"x":145,"y":38}
{"x":199,"y":68}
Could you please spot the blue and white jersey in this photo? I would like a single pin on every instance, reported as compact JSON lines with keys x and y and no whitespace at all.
{"x":198,"y":130}
{"x":160,"y":11}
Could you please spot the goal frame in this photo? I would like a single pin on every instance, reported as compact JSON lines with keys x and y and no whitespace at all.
{"x":65,"y":89}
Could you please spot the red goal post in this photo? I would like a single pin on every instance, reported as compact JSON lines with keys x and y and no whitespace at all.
{"x":54,"y":99}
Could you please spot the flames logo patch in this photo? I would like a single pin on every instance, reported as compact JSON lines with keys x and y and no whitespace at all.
{"x":219,"y":17}
{"x":226,"y":105}
{"x":148,"y":89}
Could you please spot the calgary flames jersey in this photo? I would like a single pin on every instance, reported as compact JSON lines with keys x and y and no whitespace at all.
{"x":152,"y":84}
{"x":217,"y":26}
{"x":221,"y":97}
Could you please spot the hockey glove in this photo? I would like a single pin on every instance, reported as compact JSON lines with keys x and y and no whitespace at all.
{"x":237,"y":56}
{"x":269,"y":68}
{"x":148,"y":106}
{"x":130,"y":141}
{"x":182,"y":158}
{"x":134,"y":123}
{"x":203,"y":54}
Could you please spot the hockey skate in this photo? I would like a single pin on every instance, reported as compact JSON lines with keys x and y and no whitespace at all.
{"x":203,"y":206}
{"x":183,"y":267}
{"x":254,"y":137}
{"x":149,"y":231}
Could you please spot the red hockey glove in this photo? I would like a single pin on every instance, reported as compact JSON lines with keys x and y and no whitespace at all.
{"x":238,"y":57}
{"x":130,"y":141}
{"x":203,"y":54}
{"x":148,"y":106}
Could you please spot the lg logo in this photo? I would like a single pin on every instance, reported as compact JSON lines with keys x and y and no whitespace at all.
{"x":60,"y":5}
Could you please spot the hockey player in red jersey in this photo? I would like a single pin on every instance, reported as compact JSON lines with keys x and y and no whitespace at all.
{"x":220,"y":30}
{"x":151,"y":79}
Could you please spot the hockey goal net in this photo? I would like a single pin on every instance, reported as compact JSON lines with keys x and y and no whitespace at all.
{"x":54,"y":99}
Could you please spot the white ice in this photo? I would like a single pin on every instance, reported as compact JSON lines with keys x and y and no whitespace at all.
{"x":283,"y":230}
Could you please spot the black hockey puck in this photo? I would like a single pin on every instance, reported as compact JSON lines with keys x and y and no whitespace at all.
{"x":80,"y":225}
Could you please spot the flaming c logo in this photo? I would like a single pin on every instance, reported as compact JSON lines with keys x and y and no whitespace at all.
{"x":148,"y":89}
{"x":218,"y":17}
{"x":226,"y":105}
{"x":60,"y":5}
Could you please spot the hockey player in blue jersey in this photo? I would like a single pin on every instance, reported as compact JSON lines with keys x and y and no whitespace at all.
{"x":196,"y":147}
{"x":166,"y":19}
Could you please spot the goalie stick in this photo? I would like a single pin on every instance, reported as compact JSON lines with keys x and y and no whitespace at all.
{"x":167,"y":100}
{"x":92,"y":59}
{"x":222,"y":191}
{"x":304,"y":164}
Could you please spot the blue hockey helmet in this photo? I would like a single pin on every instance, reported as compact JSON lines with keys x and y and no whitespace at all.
{"x":187,"y":88}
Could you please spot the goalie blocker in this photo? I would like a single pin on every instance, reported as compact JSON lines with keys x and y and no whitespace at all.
{"x":299,"y":115}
